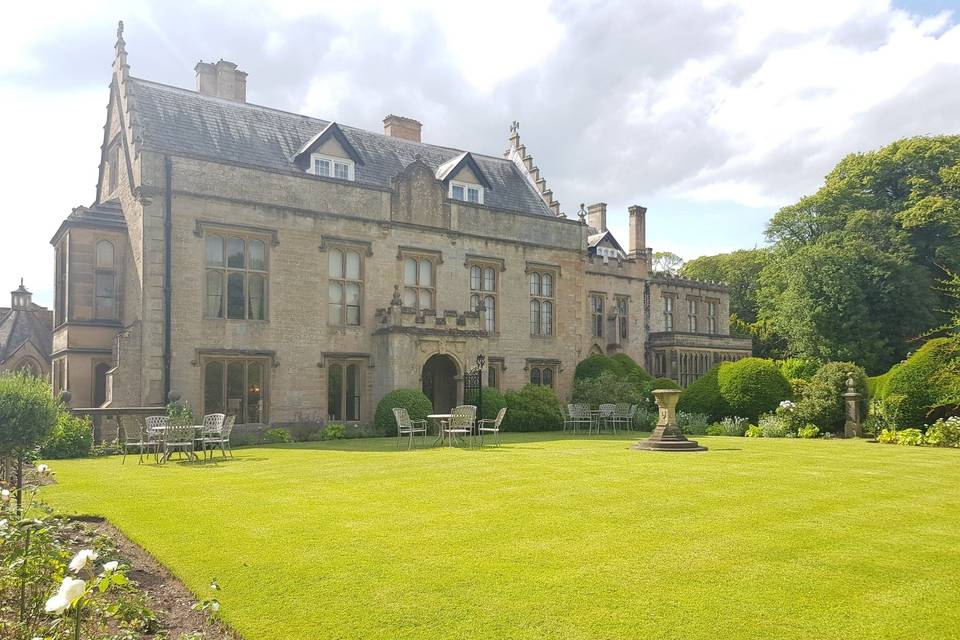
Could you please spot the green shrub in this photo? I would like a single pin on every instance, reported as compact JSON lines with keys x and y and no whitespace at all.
{"x":715,"y":430}
{"x":910,"y":437}
{"x":71,"y":437}
{"x":414,"y":401}
{"x":752,"y":386}
{"x":772,"y":426}
{"x":180,"y":412}
{"x":733,"y":426}
{"x":945,"y":432}
{"x":822,"y":403}
{"x":875,"y":385}
{"x":591,"y":366}
{"x":808,"y":431}
{"x":28,"y":413}
{"x":277,"y":436}
{"x":887,"y":436}
{"x":798,"y":368}
{"x":922,"y":382}
{"x":664,"y":383}
{"x":703,"y":396}
{"x":646,"y":417}
{"x":491,"y":403}
{"x":797,"y":387}
{"x":609,"y":387}
{"x":533,"y":408}
{"x":334,"y":431}
{"x":754,"y":431}
{"x":693,"y":424}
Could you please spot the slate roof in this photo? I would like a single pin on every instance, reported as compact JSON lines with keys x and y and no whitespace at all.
{"x":107,"y":214}
{"x":18,"y":326}
{"x":178,"y":121}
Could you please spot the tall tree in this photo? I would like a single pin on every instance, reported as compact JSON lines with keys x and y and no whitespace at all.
{"x":666,"y":262}
{"x":740,"y":270}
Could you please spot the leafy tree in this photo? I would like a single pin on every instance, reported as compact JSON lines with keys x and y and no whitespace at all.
{"x":28,"y":412}
{"x":667,"y":263}
{"x":740,"y":270}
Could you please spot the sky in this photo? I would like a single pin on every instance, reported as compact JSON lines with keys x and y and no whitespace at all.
{"x":712,"y":114}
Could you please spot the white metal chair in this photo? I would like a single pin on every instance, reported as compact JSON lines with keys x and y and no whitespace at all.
{"x":461,"y":423}
{"x":133,"y":434}
{"x":179,"y":438}
{"x":622,"y":416}
{"x":211,"y":429}
{"x":605,"y":414}
{"x":488,"y":425}
{"x":580,"y":415}
{"x":219,"y":439}
{"x":408,"y":427}
{"x":567,"y":420}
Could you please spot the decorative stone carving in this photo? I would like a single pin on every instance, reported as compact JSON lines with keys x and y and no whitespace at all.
{"x":667,"y":436}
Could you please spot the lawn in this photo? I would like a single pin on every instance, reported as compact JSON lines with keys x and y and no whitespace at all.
{"x":552,"y":537}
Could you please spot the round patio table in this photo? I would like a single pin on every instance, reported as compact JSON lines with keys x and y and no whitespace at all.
{"x":197,"y":436}
{"x":437,"y":419}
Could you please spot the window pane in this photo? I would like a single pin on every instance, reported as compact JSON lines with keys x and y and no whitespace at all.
{"x":340,"y":170}
{"x":235,"y":391}
{"x":235,"y":253}
{"x":547,"y":285}
{"x":258,"y":255}
{"x":474,"y":302}
{"x":548,"y":377}
{"x":255,"y":306}
{"x":548,"y":318}
{"x":255,"y":392}
{"x":410,"y":297}
{"x":335,"y":263}
{"x":235,"y":287}
{"x":491,"y":304}
{"x":475,"y":278}
{"x":353,"y":316}
{"x":492,"y":381}
{"x":353,"y":304}
{"x":335,"y":392}
{"x":214,"y":251}
{"x":426,"y":273}
{"x":213,"y":388}
{"x":214,"y":295}
{"x":473,"y":195}
{"x":353,"y":265}
{"x":457,"y":192}
{"x":426,"y":299}
{"x":335,"y":295}
{"x":534,"y":376}
{"x":410,"y":272}
{"x":105,"y":283}
{"x":104,"y":255}
{"x":535,"y":317}
{"x":489,"y":279}
{"x":353,"y":392}
{"x":322,"y":167}
{"x":534,"y":284}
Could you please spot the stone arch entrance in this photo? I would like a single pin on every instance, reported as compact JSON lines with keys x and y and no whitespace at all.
{"x":439,"y":382}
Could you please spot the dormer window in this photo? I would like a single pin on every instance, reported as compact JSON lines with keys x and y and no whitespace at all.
{"x":466,"y":192}
{"x":333,"y":167}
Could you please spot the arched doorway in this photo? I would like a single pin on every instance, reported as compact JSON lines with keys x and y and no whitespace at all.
{"x":439,"y":380}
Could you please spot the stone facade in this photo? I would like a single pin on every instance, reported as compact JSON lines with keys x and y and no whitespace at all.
{"x":297,"y":270}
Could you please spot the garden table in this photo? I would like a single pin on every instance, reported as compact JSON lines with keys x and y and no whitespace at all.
{"x":438,"y":418}
{"x":197,"y":436}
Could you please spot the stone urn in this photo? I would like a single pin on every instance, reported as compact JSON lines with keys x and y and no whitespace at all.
{"x":667,"y":436}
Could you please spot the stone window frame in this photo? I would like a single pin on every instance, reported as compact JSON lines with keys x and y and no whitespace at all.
{"x":712,"y":306}
{"x":113,"y":167}
{"x":361,"y":362}
{"x":669,"y":301}
{"x":485,"y":265}
{"x":539,"y":370}
{"x":597,"y":316}
{"x":61,"y":265}
{"x":58,"y":375}
{"x":537,"y":271}
{"x":344,"y":281}
{"x":226,"y":358}
{"x":693,"y":309}
{"x":496,"y":365}
{"x":466,"y":188}
{"x":102,"y":271}
{"x":622,"y":315}
{"x":347,"y":165}
{"x":419,"y":256}
{"x":248,"y":235}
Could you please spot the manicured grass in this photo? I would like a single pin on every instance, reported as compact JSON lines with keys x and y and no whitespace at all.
{"x":553,"y":537}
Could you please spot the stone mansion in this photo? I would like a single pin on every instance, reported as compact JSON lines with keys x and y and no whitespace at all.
{"x":285,"y":268}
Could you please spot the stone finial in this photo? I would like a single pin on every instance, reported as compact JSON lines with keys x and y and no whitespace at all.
{"x":396,"y":300}
{"x":120,"y":30}
{"x":582,"y":214}
{"x":851,"y":386}
{"x":514,"y":126}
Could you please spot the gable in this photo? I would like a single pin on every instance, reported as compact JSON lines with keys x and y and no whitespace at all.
{"x":331,"y":137}
{"x":330,"y":147}
{"x":466,"y":174}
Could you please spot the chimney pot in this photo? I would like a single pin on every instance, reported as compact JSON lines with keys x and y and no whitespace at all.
{"x":597,"y":216}
{"x":638,"y":230}
{"x":221,"y":80}
{"x":401,"y":127}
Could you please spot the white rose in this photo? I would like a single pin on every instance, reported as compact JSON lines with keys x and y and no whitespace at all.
{"x":111,"y":566}
{"x":69,"y":590}
{"x":42,"y":469}
{"x":82,"y":558}
{"x":5,"y":495}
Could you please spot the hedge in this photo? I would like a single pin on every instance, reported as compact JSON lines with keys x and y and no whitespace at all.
{"x":822,"y":401}
{"x":620,"y":364}
{"x":491,"y":403}
{"x":703,"y":396}
{"x":533,"y":408}
{"x":923,"y":385}
{"x":414,"y":401}
{"x":664,"y":383}
{"x":752,"y":386}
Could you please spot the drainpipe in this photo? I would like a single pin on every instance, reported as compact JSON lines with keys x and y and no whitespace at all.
{"x":167,"y":271}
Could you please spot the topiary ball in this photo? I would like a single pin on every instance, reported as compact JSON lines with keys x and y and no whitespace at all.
{"x":414,"y":401}
{"x":703,"y":396}
{"x":752,"y":386}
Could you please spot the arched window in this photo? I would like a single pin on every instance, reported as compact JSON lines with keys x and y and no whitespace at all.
{"x":105,"y":285}
{"x":541,"y":304}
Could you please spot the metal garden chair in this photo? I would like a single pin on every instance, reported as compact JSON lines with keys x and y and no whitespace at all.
{"x":179,"y":438}
{"x":461,"y":423}
{"x":580,"y":415}
{"x":605,"y":413}
{"x":133,"y":434}
{"x":408,"y":427}
{"x":219,"y":439}
{"x":491,"y":426}
{"x":567,"y":420}
{"x":621,"y":415}
{"x":211,"y":428}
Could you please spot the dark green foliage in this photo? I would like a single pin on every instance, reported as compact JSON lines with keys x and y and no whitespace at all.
{"x":28,"y":412}
{"x":875,"y":384}
{"x":620,"y":364}
{"x":71,"y":437}
{"x":740,"y":270}
{"x":922,"y":392}
{"x":664,"y":383}
{"x":798,"y":368}
{"x":609,"y":387}
{"x":591,"y":366}
{"x":703,"y":396}
{"x":414,"y":401}
{"x":277,"y":436}
{"x":822,"y":403}
{"x":533,"y":408}
{"x":492,"y":402}
{"x":752,"y":386}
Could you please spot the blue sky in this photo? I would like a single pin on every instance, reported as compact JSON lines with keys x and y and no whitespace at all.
{"x":711,"y":113}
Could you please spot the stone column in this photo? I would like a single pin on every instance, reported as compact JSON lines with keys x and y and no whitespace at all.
{"x":852,"y":427}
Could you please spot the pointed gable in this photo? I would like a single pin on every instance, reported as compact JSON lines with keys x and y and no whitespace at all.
{"x":331,"y":135}
{"x":452,"y":168}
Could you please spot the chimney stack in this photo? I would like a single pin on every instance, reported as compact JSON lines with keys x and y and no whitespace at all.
{"x":638,"y":230}
{"x":400,"y":127}
{"x":597,"y":216}
{"x":221,"y":80}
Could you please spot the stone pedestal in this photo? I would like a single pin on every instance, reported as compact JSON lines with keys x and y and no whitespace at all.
{"x":667,"y":436}
{"x":853,"y":426}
